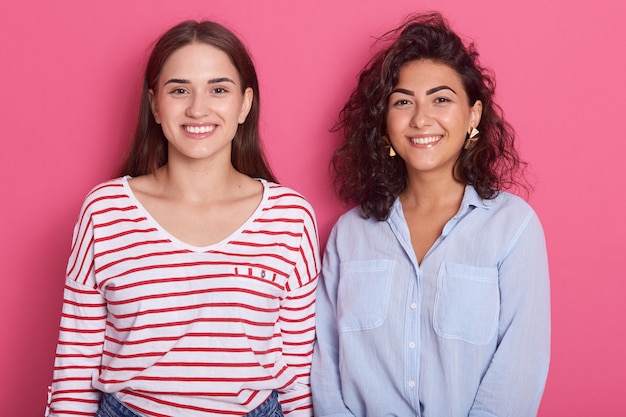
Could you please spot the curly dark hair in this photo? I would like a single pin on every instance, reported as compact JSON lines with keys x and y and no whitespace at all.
{"x":365,"y":175}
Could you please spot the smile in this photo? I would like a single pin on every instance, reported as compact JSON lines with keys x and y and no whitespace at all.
{"x":425,"y":140}
{"x":199,"y":129}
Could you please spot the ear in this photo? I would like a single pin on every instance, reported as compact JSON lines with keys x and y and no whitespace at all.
{"x":246,"y":104}
{"x":153,"y":105}
{"x":476,"y":112}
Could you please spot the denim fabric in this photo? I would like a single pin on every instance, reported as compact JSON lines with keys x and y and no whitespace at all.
{"x":112,"y":407}
{"x":270,"y":408}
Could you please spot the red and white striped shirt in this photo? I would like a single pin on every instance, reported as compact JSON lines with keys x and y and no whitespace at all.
{"x":179,"y":330}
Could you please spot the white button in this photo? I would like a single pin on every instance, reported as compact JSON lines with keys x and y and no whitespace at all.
{"x":412,"y":345}
{"x":413,"y":306}
{"x":411,"y":384}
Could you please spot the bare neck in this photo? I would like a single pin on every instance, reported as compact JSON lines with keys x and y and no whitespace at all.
{"x":432,"y":192}
{"x":195,"y":184}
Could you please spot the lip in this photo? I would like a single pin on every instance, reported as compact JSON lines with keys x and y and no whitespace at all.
{"x":424,"y":141}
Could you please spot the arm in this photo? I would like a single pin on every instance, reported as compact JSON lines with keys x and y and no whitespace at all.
{"x":81,"y":335}
{"x":514,"y":382}
{"x":325,"y":380}
{"x":297,"y":323}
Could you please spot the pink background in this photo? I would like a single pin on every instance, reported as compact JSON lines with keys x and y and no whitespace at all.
{"x":69,"y":78}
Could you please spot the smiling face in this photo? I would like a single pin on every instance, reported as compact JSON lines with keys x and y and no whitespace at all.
{"x":198,"y":102}
{"x":429,"y":116}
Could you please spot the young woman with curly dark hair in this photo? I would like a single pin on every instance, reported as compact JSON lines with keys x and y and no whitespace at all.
{"x":434,"y":298}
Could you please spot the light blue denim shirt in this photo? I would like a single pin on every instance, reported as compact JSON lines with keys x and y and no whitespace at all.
{"x":466,"y":333}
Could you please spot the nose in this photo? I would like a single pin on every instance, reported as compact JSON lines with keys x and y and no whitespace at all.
{"x":197,"y":107}
{"x":421,"y":117}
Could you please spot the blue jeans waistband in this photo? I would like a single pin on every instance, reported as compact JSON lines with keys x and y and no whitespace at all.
{"x":112,"y":407}
{"x":270,"y":408}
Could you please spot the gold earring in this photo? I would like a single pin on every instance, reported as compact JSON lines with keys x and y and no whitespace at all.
{"x":471,"y":138}
{"x":392,"y":152}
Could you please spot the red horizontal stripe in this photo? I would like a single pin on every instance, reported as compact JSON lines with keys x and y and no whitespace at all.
{"x":131,"y":246}
{"x":81,"y":331}
{"x":198,"y":320}
{"x":193,"y":307}
{"x":120,"y":221}
{"x":125,"y":233}
{"x":139,"y":257}
{"x":264,"y":245}
{"x":191,"y":335}
{"x":84,"y":305}
{"x":78,"y":344}
{"x":75,"y":317}
{"x":55,"y":410}
{"x":309,"y":317}
{"x":271,"y":233}
{"x":192,"y":264}
{"x":194,"y":292}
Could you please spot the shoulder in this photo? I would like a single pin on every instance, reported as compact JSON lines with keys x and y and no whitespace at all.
{"x":507,"y":203}
{"x":510,"y":215}
{"x":108,"y":187}
{"x":353,"y":216}
{"x":287,"y":207}
{"x":280,"y":196}
{"x":353,"y":224}
{"x":106,"y":194}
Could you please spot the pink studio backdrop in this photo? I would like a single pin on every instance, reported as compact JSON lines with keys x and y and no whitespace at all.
{"x":69,"y":80}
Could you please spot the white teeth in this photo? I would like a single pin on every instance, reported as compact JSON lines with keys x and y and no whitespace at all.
{"x":425,"y":141}
{"x":199,"y":129}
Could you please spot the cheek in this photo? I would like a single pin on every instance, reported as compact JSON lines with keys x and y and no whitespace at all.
{"x":454,"y":120}
{"x":161,"y":108}
{"x":232,"y":110}
{"x":396,"y":121}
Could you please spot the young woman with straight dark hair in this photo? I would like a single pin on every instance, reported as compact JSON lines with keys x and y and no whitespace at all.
{"x":191,"y":283}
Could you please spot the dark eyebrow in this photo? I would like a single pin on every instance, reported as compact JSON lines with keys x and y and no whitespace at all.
{"x":220,"y":80}
{"x":428,"y":92}
{"x":176,"y":81}
{"x":403,"y":91}
{"x":211,"y":81}
{"x":441,"y":87}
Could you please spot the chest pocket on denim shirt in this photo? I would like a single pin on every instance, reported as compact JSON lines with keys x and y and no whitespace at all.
{"x":363,"y":294}
{"x":467,"y":303}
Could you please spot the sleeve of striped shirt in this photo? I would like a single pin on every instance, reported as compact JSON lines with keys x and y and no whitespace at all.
{"x":297,"y":321}
{"x":81,"y":336}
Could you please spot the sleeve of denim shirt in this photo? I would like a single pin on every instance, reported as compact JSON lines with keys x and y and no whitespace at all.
{"x":325,"y":380}
{"x":514,"y":382}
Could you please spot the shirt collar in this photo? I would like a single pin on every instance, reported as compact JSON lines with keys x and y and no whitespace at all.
{"x":471,"y":200}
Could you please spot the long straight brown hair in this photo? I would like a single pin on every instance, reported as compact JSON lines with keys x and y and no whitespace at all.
{"x":148,"y":149}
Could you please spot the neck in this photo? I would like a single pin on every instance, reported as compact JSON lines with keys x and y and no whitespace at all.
{"x":199,"y":184}
{"x":425,"y":192}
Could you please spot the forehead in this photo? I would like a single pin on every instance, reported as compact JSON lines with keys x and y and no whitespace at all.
{"x":425,"y":74}
{"x":200,"y":60}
